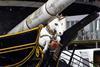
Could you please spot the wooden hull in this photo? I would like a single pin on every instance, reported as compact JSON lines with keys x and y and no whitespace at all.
{"x":18,"y":49}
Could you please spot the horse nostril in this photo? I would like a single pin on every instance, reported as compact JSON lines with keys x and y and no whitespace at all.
{"x":59,"y":32}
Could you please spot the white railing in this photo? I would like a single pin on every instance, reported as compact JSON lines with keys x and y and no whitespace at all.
{"x":87,"y":35}
{"x":79,"y":59}
{"x":89,"y":32}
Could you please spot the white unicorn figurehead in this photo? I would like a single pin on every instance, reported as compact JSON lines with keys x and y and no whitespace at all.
{"x":53,"y":30}
{"x":57,"y":25}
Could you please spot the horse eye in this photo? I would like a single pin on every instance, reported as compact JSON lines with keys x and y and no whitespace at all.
{"x":56,"y":24}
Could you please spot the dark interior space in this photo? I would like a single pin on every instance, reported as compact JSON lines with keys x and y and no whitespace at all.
{"x":97,"y":57}
{"x":11,"y":16}
{"x":79,"y":9}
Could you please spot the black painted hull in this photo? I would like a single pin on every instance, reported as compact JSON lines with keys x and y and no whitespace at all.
{"x":15,"y":48}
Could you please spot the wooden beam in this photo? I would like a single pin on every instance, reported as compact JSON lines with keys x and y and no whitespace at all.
{"x":21,"y":3}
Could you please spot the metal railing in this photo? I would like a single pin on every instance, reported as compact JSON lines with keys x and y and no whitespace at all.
{"x":87,"y":35}
{"x":77,"y":62}
{"x":90,"y":32}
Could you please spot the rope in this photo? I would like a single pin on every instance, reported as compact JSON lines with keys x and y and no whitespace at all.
{"x":36,"y":49}
{"x":39,"y":50}
{"x":23,"y":61}
{"x":42,"y":55}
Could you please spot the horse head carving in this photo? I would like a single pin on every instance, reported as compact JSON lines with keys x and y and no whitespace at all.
{"x":57,"y":25}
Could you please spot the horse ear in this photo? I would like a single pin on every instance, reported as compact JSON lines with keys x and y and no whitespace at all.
{"x":60,"y":16}
{"x":57,"y":16}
